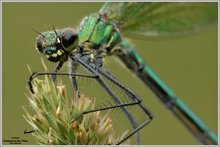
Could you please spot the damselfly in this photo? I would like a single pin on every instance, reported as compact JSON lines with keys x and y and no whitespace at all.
{"x":101,"y":34}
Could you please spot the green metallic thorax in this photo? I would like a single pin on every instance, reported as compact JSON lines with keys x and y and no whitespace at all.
{"x":96,"y":31}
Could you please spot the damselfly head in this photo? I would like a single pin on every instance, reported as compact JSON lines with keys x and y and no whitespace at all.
{"x":57,"y":44}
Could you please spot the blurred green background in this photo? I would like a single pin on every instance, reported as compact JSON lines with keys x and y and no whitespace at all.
{"x":189,"y":66}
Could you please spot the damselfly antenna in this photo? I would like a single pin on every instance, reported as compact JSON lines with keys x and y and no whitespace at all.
{"x":58,"y":40}
{"x":38,"y":33}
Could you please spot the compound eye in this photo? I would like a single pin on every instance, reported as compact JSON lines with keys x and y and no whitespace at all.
{"x":40,"y":41}
{"x":69,"y":39}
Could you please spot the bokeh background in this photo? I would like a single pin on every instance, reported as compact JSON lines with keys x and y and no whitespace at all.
{"x":188,"y":65}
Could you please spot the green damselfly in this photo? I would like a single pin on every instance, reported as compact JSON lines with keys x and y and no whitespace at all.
{"x":102,"y":34}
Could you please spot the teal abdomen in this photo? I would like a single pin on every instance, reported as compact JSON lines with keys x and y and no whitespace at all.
{"x":97,"y":31}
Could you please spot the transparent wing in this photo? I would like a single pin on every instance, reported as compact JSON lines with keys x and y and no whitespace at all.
{"x":161,"y":19}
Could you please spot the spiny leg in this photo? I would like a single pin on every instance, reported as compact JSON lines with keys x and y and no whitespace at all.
{"x":135,"y":100}
{"x":36,"y":74}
